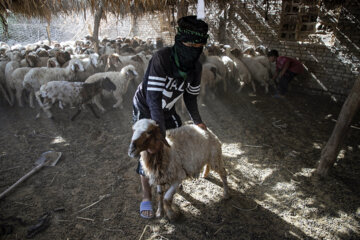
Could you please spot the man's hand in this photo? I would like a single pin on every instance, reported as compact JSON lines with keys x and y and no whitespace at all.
{"x":203,"y":126}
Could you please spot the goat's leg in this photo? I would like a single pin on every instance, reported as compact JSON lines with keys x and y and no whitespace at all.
{"x":18,"y":97}
{"x":76,"y":114}
{"x":11,"y":95}
{"x":206,"y":171}
{"x":31,"y":99}
{"x":223,"y":176}
{"x":160,"y":210}
{"x":119,"y":100}
{"x":3,"y":91}
{"x":92,"y":110}
{"x":253,"y":86}
{"x":46,"y":107}
{"x":168,"y":201}
{"x":96,"y":100}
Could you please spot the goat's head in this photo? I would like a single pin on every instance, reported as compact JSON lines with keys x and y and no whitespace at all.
{"x":146,"y":137}
{"x":107,"y":84}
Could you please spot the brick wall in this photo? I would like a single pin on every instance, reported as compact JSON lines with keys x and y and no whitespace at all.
{"x":333,"y":66}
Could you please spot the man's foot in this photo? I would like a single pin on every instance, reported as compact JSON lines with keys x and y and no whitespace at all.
{"x":146,"y":210}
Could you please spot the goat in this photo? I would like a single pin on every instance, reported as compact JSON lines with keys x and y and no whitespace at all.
{"x":182,"y":154}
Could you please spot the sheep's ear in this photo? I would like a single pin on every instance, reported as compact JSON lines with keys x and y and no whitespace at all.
{"x":131,"y":72}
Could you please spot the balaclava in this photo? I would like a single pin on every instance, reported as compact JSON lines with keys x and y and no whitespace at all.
{"x":190,"y":30}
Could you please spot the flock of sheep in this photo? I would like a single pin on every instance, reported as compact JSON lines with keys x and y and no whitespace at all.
{"x":73,"y":74}
{"x":76,"y":66}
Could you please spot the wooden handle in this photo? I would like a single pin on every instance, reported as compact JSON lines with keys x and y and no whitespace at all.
{"x":35,"y":169}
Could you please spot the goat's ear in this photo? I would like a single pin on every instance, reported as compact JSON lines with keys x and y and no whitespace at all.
{"x":161,"y":137}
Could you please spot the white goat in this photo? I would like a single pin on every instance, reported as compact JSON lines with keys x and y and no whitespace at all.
{"x":39,"y":76}
{"x":71,"y":93}
{"x":170,"y":160}
{"x":120,"y":79}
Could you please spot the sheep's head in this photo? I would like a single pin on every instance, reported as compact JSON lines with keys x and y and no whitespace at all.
{"x":129,"y":71}
{"x":76,"y":66}
{"x":52,"y":62}
{"x":146,"y":137}
{"x":32,"y":59}
{"x":107,"y":84}
{"x":62,"y":57}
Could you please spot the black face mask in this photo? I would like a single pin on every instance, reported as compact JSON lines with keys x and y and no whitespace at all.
{"x":187,"y":56}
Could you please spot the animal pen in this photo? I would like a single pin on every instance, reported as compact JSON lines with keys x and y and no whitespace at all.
{"x":292,"y":163}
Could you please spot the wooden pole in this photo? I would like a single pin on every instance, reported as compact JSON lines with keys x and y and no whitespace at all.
{"x":334,"y":144}
{"x":5,"y":26}
{"x":48,"y":30}
{"x":97,"y":19}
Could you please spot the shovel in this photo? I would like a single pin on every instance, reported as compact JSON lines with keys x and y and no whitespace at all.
{"x":49,"y":158}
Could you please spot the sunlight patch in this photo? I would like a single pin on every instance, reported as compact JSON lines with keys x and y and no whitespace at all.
{"x":57,"y":140}
{"x":231,"y":149}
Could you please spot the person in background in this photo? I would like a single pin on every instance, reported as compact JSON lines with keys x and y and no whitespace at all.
{"x":286,"y":69}
{"x":172,"y":72}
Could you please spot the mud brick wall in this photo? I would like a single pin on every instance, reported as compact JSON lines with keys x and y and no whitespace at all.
{"x":333,"y":67}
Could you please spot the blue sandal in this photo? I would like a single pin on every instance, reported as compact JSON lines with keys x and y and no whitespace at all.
{"x":146,"y":206}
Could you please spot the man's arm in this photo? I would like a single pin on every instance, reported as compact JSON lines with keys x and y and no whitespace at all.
{"x":155,"y":86}
{"x":190,"y":98}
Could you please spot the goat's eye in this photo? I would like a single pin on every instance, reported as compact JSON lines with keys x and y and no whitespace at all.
{"x":150,"y":132}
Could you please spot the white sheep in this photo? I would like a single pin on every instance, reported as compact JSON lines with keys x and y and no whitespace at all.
{"x":91,"y":65}
{"x":257,"y":70}
{"x":120,"y":79}
{"x":71,"y":93}
{"x":182,"y":154}
{"x":9,"y":69}
{"x":238,"y":71}
{"x":39,"y":76}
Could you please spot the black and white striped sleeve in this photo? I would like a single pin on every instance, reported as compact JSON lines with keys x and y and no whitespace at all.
{"x":155,"y":85}
{"x":190,"y":96}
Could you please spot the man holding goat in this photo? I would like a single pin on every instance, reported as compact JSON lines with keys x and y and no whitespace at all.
{"x":172,"y":72}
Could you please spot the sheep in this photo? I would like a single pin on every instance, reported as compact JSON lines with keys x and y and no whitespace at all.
{"x":9,"y":68}
{"x":170,"y":160}
{"x":39,"y":76}
{"x":120,"y":79}
{"x":91,"y":65}
{"x":257,"y":70}
{"x":239,"y":72}
{"x":17,"y":82}
{"x":71,"y":93}
{"x":220,"y":66}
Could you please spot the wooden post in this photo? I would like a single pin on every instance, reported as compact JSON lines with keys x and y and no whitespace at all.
{"x":222,"y":22}
{"x":48,"y":20}
{"x":182,"y":9}
{"x":5,"y":26}
{"x":333,"y":146}
{"x":97,"y":19}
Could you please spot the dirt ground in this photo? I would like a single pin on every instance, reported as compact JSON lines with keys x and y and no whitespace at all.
{"x":270,"y":146}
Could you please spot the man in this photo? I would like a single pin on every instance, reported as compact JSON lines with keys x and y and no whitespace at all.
{"x":172,"y":72}
{"x":286,"y":69}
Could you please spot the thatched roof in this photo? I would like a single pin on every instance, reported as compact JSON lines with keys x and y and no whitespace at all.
{"x":47,"y":8}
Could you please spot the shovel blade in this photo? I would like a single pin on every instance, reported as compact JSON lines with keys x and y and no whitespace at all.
{"x":49,"y":158}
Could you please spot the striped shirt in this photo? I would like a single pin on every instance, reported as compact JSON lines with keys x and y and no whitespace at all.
{"x":162,"y":86}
